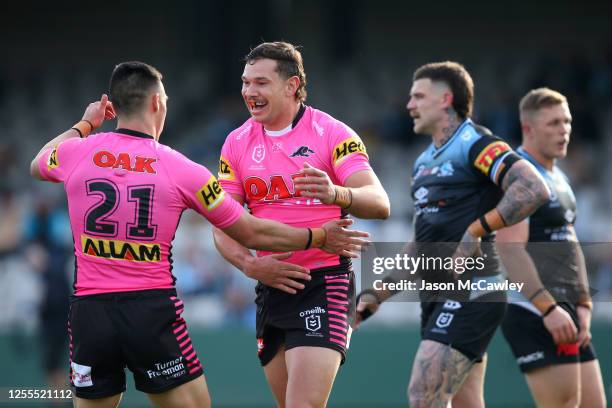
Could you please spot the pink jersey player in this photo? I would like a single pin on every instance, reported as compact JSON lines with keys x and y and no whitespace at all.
{"x":126,"y":193}
{"x":259,"y":166}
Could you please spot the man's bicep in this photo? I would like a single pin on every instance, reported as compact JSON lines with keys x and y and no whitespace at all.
{"x":520,"y":169}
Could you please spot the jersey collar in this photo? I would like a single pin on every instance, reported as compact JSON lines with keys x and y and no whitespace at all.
{"x":131,"y":132}
{"x":532,"y":160}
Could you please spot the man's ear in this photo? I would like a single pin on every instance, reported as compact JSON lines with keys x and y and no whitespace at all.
{"x":526,"y":128}
{"x":156,"y":102}
{"x":447,"y":99}
{"x":292,"y":85}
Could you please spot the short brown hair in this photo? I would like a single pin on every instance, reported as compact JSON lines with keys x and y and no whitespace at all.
{"x":288,"y":62}
{"x":130,"y":84}
{"x":539,"y":98}
{"x":458,"y":80}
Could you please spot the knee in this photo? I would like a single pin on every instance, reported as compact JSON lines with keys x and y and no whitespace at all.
{"x":420,"y":397}
{"x":304,"y":403}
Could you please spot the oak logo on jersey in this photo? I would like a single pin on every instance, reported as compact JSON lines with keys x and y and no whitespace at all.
{"x":212,"y":194}
{"x":348,"y":147}
{"x":53,"y":162}
{"x":487,"y":156}
{"x":120,"y":250}
{"x":138,"y":164}
{"x":225,"y":170}
{"x":258,"y":189}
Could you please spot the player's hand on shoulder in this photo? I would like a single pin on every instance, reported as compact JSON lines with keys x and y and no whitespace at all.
{"x":343,"y":241}
{"x":367,"y":305}
{"x":272,"y":271}
{"x":99,"y":111}
{"x":561,"y":326}
{"x":314,"y":183}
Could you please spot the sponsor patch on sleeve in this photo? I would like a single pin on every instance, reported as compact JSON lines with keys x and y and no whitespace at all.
{"x":485,"y":160}
{"x":211,"y":194}
{"x":53,"y":162}
{"x":225,"y":170}
{"x":352,"y":145}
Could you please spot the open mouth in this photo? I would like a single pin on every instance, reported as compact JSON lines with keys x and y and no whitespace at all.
{"x":256,"y":106}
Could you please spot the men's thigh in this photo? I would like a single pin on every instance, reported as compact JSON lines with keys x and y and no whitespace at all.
{"x":276,"y":375}
{"x":591,"y":385}
{"x":192,"y":394}
{"x":471,"y":392}
{"x":311,"y":373}
{"x":555,"y":385}
{"x":437,"y":374}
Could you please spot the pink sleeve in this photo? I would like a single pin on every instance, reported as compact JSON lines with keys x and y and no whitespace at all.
{"x":57,"y":163}
{"x":348,"y":152}
{"x":201,"y":191}
{"x":228,"y":170}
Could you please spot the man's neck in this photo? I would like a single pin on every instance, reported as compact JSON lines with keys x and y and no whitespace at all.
{"x":544,"y":161}
{"x":285,"y":118}
{"x":446,"y":129}
{"x":138,"y":125}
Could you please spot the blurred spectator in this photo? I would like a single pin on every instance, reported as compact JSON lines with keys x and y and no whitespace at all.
{"x":47,"y":254}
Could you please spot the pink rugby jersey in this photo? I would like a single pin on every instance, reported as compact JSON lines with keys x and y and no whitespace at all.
{"x":260,"y":168}
{"x":126,"y":193}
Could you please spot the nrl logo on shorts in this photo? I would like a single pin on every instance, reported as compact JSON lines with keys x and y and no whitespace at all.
{"x":259,"y":153}
{"x":444,"y":320}
{"x":313,"y":323}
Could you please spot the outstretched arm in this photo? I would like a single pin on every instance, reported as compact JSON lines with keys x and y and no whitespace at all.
{"x":269,"y":270}
{"x":93,"y":117}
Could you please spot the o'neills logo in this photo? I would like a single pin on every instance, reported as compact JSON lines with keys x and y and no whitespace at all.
{"x":120,"y":250}
{"x":313,"y":311}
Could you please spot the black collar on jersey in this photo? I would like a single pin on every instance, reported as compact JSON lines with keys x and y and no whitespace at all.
{"x":298,"y":116}
{"x":136,"y":133}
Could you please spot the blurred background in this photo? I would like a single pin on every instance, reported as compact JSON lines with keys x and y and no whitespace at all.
{"x":359,"y":57}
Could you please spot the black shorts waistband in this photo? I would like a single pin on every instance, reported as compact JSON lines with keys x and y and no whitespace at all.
{"x":334,"y":270}
{"x":129,"y":295}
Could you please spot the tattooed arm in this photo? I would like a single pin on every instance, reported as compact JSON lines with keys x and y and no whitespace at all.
{"x":524,"y":192}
